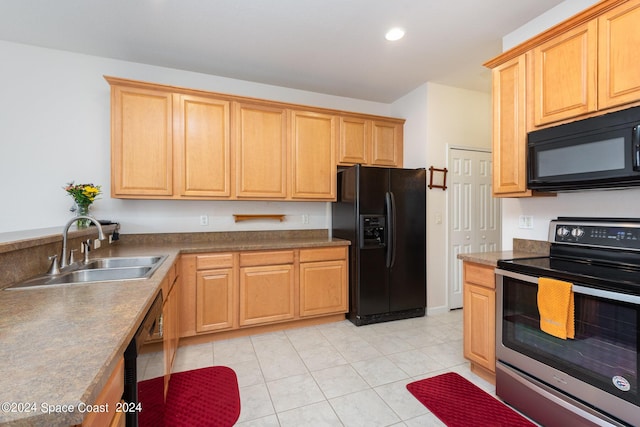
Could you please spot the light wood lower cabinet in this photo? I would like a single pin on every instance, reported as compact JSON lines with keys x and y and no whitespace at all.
{"x":222,"y":292}
{"x":267,"y":286}
{"x":216,"y":296}
{"x":170,"y":320}
{"x":479,"y":302}
{"x":110,"y":395}
{"x":323,"y":273}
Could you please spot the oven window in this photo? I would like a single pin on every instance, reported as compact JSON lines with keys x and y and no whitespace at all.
{"x":605,"y":348}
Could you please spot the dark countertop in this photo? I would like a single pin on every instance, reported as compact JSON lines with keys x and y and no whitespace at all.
{"x":60,"y":344}
{"x":491,"y":258}
{"x":521,"y":249}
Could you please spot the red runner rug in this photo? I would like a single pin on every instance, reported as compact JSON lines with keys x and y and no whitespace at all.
{"x":206,"y":397}
{"x":459,"y":403}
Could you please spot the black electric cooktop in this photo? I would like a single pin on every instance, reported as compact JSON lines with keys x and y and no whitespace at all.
{"x":619,"y":278}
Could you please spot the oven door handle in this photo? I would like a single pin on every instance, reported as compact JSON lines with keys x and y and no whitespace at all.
{"x":578,"y":289}
{"x":600,"y":293}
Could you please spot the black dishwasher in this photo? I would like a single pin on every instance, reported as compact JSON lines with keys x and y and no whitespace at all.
{"x":152,"y":324}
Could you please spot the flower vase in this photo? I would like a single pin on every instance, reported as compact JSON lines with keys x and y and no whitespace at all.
{"x":82,"y":210}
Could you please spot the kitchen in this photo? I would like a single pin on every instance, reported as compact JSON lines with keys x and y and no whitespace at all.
{"x":74,"y":83}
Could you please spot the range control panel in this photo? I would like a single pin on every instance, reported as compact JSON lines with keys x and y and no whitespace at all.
{"x":623,"y":234}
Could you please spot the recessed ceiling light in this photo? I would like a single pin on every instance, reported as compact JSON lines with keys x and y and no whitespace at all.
{"x":394,"y":34}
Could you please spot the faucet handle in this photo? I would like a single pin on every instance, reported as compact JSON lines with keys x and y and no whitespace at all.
{"x":72,"y":256}
{"x":54,"y":268}
{"x":87,"y":248}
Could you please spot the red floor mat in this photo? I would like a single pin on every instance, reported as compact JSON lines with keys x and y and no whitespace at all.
{"x":459,"y":403}
{"x":206,"y":397}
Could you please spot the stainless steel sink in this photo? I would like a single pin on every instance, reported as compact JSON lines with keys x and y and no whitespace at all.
{"x":98,"y":270}
{"x":120,"y":262}
{"x":101,"y":275}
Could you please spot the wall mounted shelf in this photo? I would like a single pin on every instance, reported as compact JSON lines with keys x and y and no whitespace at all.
{"x":250,"y":217}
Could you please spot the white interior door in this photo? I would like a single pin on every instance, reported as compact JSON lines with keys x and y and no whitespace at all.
{"x":474,"y":215}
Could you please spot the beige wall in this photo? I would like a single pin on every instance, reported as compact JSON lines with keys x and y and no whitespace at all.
{"x":55,"y":128}
{"x":439,"y":117}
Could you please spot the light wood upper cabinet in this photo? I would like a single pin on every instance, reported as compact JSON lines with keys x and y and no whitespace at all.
{"x":179,"y":143}
{"x":509,"y":129}
{"x":565,"y":79}
{"x":355,"y":141}
{"x":261,"y":151}
{"x":619,"y":55}
{"x":313,"y":162}
{"x":202,"y":146}
{"x":370,"y":142}
{"x":141,"y":142}
{"x":386,"y":144}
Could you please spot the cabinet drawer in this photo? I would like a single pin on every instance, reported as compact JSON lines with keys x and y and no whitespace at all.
{"x":266,"y":258}
{"x":482,"y":275}
{"x":322,"y":254}
{"x":207,"y":262}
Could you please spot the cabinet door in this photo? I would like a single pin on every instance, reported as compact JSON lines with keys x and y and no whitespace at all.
{"x":170,"y":331}
{"x":266,"y":294}
{"x":215,"y":300}
{"x":509,"y":129}
{"x":619,"y":56}
{"x":355,"y":141}
{"x":386,"y":144}
{"x":261,"y":151}
{"x":479,"y":326}
{"x":313,"y":165}
{"x":202,"y":144}
{"x":565,"y":75}
{"x":141,"y":142}
{"x":323,"y":288}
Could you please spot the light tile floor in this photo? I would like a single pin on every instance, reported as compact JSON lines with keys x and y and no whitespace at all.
{"x":335,"y":374}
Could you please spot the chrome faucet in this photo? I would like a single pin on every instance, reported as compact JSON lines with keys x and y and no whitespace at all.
{"x":63,"y":260}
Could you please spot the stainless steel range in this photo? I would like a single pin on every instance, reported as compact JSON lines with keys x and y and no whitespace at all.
{"x":591,"y":379}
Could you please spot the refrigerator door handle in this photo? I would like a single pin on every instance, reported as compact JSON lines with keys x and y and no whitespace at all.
{"x":391,"y":226}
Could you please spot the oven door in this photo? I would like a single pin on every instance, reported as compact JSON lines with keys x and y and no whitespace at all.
{"x":598,"y":367}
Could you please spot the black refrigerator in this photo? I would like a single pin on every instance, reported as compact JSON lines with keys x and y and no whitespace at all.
{"x":382,"y":212}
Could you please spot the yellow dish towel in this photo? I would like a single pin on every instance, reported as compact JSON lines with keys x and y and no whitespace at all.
{"x":556,"y":307}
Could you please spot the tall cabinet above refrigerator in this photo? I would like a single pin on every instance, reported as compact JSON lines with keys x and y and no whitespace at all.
{"x":382,"y":212}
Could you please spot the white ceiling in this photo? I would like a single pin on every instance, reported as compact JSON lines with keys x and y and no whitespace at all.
{"x":334,"y":47}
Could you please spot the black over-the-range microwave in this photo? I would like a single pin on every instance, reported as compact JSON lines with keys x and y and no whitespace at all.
{"x":598,"y":152}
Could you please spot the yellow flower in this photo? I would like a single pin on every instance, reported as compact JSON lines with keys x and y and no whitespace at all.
{"x":83,"y":194}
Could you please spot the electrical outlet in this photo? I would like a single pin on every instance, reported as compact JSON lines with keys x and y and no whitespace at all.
{"x":525,"y":221}
{"x":97,"y":244}
{"x":204,"y":220}
{"x":305,"y":219}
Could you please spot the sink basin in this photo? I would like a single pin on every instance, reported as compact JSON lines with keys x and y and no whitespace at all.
{"x":120,"y":262}
{"x":101,"y":275}
{"x":99,"y":270}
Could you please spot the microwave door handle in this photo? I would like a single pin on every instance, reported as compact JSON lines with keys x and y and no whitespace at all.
{"x":635,"y":142}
